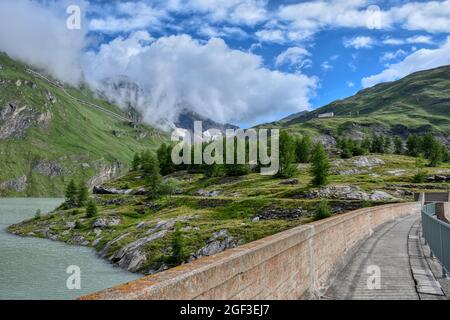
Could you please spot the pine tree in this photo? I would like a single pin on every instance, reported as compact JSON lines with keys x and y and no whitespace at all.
{"x":161,"y":153}
{"x":178,"y":245}
{"x":91,"y":209}
{"x":413,"y":145}
{"x":303,"y":149}
{"x":71,"y":194}
{"x":82,"y":194}
{"x":136,"y":162}
{"x":366,"y":144}
{"x":398,"y":145}
{"x":153,"y":179}
{"x":320,"y":166}
{"x":287,"y":156}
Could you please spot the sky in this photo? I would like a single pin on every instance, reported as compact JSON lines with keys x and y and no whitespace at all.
{"x":240,"y":61}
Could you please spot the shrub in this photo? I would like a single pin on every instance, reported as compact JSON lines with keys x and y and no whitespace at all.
{"x":419,"y":177}
{"x":91,"y":209}
{"x":38,"y":214}
{"x":178,"y":245}
{"x":322,"y":211}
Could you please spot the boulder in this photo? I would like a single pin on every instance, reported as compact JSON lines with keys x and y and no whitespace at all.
{"x":212,"y":193}
{"x":284,"y":214}
{"x":367,"y":162}
{"x":79,"y":240}
{"x":218,"y":242}
{"x":132,"y":256}
{"x":290,"y":182}
{"x":105,"y":190}
{"x":106,"y":222}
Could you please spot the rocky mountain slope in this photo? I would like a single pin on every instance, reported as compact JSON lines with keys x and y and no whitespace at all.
{"x":215,"y":214}
{"x":50,"y":133}
{"x":416,"y":104}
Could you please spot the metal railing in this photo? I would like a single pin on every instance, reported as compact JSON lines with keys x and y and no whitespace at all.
{"x":437,"y":235}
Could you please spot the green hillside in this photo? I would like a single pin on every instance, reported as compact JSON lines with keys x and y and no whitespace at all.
{"x":418,"y":103}
{"x":47,"y":136}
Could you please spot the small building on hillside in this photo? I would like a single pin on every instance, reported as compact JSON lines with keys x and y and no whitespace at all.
{"x":326,"y":115}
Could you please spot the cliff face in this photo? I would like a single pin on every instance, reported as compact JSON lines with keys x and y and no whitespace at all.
{"x":51,"y":133}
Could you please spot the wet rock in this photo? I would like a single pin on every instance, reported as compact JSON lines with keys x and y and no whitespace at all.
{"x":79,"y":240}
{"x":131,"y":256}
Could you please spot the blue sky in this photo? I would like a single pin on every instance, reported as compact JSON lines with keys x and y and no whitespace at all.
{"x":248,"y":61}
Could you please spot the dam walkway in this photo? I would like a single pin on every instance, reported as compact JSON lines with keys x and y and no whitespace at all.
{"x":389,"y":265}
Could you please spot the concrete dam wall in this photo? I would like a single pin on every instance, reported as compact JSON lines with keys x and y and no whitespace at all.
{"x":294,"y":264}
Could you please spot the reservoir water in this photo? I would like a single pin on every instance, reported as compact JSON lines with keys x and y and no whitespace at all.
{"x":32,"y":268}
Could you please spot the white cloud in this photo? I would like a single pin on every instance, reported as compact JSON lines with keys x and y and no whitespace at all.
{"x":294,"y":56}
{"x":236,"y":12}
{"x":361,"y":42}
{"x":350,"y":84}
{"x":430,"y":16}
{"x":326,"y":65}
{"x":37,"y":34}
{"x":129,"y":16}
{"x":419,"y":39}
{"x":207,"y":77}
{"x":315,"y":16}
{"x":387,"y":56}
{"x":422,"y":59}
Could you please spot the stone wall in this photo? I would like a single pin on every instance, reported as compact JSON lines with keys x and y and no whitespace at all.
{"x":294,"y":264}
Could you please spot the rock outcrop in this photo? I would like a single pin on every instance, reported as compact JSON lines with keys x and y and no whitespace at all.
{"x":105,"y":172}
{"x":132,"y":256}
{"x":347,"y":192}
{"x":49,"y":168}
{"x":218,"y":242}
{"x":15,"y":119}
{"x":18,"y":184}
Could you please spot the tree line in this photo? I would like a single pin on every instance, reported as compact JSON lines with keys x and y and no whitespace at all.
{"x":426,"y":146}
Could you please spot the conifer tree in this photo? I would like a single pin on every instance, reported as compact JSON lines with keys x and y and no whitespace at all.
{"x":320,"y":166}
